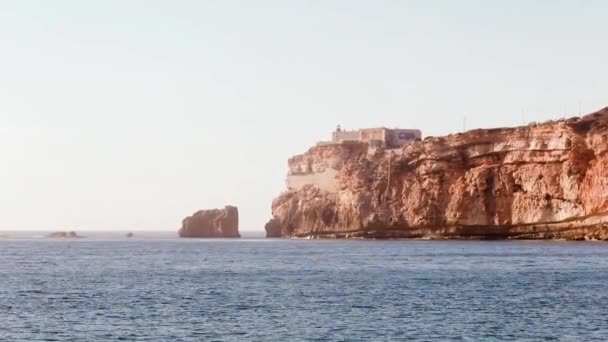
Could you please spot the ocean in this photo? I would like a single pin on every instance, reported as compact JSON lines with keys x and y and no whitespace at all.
{"x":160,"y":288}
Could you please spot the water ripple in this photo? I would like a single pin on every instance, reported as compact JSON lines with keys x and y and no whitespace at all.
{"x":206,"y":290}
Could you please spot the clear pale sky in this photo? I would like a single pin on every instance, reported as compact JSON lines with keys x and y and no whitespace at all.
{"x":121,"y":114}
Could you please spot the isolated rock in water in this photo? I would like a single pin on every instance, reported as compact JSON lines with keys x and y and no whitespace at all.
{"x":129,"y":235}
{"x":212,"y":223}
{"x":540,"y":181}
{"x":70,"y":234}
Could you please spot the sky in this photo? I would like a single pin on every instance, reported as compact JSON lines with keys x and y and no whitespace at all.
{"x":126,"y":114}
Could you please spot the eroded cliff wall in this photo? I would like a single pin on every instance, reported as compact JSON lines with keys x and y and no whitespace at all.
{"x":540,"y":181}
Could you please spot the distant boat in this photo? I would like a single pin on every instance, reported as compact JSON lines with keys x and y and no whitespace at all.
{"x":130,"y":235}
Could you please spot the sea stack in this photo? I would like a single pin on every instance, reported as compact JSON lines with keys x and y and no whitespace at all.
{"x":214,"y":223}
{"x":63,"y":235}
{"x":540,"y":181}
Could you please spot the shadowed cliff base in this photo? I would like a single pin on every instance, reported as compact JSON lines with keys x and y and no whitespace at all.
{"x":541,"y":181}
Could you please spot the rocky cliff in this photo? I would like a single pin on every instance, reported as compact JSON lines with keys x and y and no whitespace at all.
{"x":212,"y":223}
{"x":541,"y":181}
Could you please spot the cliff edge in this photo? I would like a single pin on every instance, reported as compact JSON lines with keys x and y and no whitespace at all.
{"x":212,"y":224}
{"x":541,"y":181}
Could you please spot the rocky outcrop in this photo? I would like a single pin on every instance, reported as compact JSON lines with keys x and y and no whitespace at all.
{"x":541,"y":181}
{"x":211,"y":224}
{"x":63,"y":235}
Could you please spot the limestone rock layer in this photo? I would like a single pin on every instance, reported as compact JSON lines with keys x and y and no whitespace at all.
{"x":541,"y":181}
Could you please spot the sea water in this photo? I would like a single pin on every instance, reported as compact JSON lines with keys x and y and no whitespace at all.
{"x":167,"y":289}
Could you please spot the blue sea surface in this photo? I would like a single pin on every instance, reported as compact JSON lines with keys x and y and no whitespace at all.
{"x":166,"y":289}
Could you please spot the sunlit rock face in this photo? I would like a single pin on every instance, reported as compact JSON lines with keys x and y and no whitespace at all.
{"x":541,"y":181}
{"x":211,"y":224}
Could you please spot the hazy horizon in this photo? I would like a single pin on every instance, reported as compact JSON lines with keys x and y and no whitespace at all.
{"x":133,"y":115}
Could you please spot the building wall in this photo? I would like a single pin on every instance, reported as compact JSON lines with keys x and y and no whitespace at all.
{"x":391,"y":137}
{"x":400,"y":137}
{"x":370,"y":134}
{"x":367,"y":134}
{"x":340,"y":136}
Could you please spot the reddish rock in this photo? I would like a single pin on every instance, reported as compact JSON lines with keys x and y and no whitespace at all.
{"x":63,"y":235}
{"x":212,"y":223}
{"x":541,"y":181}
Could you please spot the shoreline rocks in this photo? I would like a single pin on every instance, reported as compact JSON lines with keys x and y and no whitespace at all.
{"x":214,"y":223}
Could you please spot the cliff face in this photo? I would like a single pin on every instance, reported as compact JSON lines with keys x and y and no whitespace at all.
{"x":543,"y":181}
{"x":212,"y":223}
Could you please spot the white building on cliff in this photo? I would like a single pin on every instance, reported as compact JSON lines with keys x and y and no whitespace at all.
{"x":387,"y":137}
{"x":322,"y":172}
